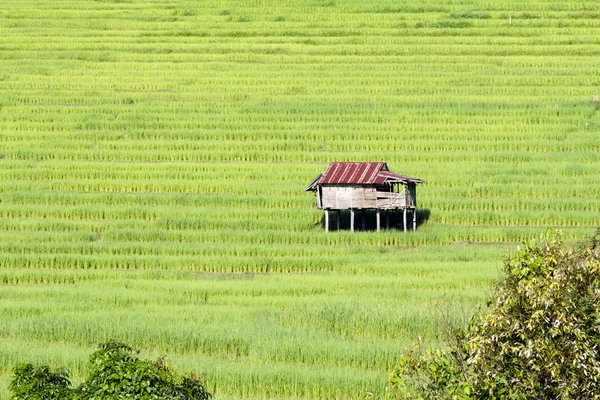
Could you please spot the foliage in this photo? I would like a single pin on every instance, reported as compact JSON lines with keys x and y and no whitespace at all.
{"x":115,"y":373}
{"x":540,"y":337}
{"x":40,"y":383}
{"x":429,"y":374}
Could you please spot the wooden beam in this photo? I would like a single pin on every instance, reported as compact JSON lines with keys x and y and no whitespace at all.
{"x":362,"y":214}
{"x":326,"y":220}
{"x":378,"y":217}
{"x":319,"y":197}
{"x":415,"y":219}
{"x":404,"y":219}
{"x":352,"y":220}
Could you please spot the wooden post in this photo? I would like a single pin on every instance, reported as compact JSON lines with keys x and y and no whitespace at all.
{"x":339,"y":217}
{"x":404,"y":219}
{"x":326,"y":220}
{"x":387,"y":220}
{"x":415,"y":219}
{"x":364,"y":227}
{"x":352,"y":220}
{"x":378,"y":217}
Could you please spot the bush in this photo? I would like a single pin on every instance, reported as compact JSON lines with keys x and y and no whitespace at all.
{"x":540,"y":337}
{"x":40,"y":383}
{"x":115,"y":373}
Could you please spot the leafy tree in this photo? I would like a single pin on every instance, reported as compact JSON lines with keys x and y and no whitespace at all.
{"x":539,"y":338}
{"x":115,"y":373}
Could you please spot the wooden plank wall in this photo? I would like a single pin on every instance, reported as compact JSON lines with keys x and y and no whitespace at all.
{"x":346,"y":197}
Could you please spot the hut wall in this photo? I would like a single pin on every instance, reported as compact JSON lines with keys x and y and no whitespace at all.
{"x":411,"y":194}
{"x":358,"y":196}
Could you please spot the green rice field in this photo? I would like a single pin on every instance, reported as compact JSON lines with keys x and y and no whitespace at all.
{"x":154,"y":155}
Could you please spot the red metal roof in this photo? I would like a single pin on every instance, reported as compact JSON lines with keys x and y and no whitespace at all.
{"x":359,"y":173}
{"x":351,"y":172}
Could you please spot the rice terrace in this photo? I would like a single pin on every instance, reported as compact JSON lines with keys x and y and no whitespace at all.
{"x":154,"y":156}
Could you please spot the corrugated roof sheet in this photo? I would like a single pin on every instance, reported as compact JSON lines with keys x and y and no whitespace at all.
{"x":351,"y":172}
{"x":386,"y":176}
{"x":359,"y":173}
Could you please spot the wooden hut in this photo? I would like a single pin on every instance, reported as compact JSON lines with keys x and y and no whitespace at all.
{"x":362,"y":186}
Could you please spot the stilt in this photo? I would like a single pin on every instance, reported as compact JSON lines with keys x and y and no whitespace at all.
{"x":362,"y":214}
{"x":404,"y":219}
{"x":352,"y":220}
{"x":339,"y":217}
{"x":414,"y":219}
{"x":378,"y":218}
{"x":387,"y":220}
{"x":326,"y":220}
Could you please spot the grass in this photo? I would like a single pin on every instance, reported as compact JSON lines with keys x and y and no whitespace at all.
{"x":335,"y":333}
{"x":153,"y":158}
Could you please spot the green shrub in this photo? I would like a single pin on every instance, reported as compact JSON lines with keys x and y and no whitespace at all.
{"x":115,"y":373}
{"x":540,"y":338}
{"x":40,"y":383}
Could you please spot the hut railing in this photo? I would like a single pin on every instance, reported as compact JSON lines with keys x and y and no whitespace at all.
{"x":392,"y":198}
